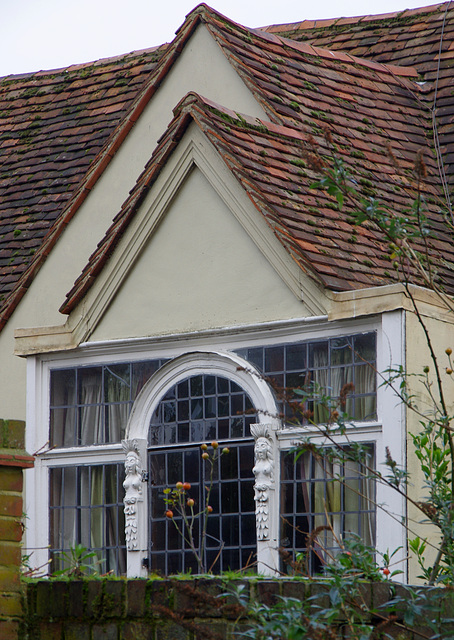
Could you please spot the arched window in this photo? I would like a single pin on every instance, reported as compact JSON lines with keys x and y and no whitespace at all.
{"x":202,"y":409}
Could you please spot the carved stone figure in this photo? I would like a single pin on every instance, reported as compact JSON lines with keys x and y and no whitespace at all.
{"x":133,"y":492}
{"x":264,"y":471}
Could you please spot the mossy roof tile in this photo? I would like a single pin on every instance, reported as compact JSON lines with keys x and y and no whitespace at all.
{"x":308,"y":77}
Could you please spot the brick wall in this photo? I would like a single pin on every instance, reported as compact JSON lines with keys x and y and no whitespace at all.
{"x":13,"y":459}
{"x":184,"y":609}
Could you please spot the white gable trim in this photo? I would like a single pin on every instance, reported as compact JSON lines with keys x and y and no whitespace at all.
{"x":194,"y":151}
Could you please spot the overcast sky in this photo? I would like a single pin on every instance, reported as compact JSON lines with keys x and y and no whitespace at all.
{"x":48,"y":34}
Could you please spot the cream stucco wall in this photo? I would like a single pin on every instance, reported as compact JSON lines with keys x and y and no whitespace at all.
{"x":199,"y":270}
{"x":441,"y":332}
{"x":201,"y":67}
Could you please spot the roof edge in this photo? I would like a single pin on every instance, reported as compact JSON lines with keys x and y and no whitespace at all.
{"x":328,"y":22}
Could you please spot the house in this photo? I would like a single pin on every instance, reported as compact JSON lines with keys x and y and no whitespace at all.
{"x":166,"y":266}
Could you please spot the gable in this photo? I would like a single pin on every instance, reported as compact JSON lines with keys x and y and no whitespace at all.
{"x":90,"y":154}
{"x":199,"y":270}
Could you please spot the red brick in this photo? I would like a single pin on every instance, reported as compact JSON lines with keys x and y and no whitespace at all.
{"x":9,"y":579}
{"x":10,"y":504}
{"x":10,"y":553}
{"x":10,"y":605}
{"x":9,"y":629}
{"x":10,"y":529}
{"x":11,"y":479}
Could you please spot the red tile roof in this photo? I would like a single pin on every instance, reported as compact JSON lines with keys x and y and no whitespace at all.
{"x":422,"y":38}
{"x":375,"y":112}
{"x":272,"y":162}
{"x":52,"y":127}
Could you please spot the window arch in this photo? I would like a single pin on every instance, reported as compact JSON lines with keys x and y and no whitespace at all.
{"x":203,"y":382}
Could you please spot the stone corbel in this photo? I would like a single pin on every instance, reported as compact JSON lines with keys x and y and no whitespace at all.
{"x":135,"y":504}
{"x":264,"y":477}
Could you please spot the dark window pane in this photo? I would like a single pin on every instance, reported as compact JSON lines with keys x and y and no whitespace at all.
{"x":210,"y":385}
{"x":197,"y":409}
{"x":230,"y":531}
{"x":248,"y":529}
{"x":183,"y":389}
{"x":237,"y":406}
{"x":224,"y":429}
{"x":210,"y":407}
{"x":183,"y":432}
{"x":192,"y":461}
{"x":229,"y":497}
{"x":318,"y":354}
{"x":274,"y":359}
{"x":296,"y":357}
{"x":169,"y":411}
{"x":183,"y":410}
{"x":63,"y":427}
{"x":364,"y":348}
{"x":246,"y":461}
{"x":247,"y":497}
{"x":237,"y":428}
{"x":141,"y":373}
{"x":63,"y":387}
{"x":174,"y":467}
{"x":197,"y":431}
{"x":256,"y":357}
{"x":196,"y":386}
{"x":223,"y":406}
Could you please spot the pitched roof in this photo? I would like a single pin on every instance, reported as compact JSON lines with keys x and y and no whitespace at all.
{"x":375,"y":113}
{"x":268,"y":161}
{"x":52,"y":127}
{"x":422,"y":38}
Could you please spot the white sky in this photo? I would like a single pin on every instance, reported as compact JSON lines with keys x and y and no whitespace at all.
{"x":47,"y":34}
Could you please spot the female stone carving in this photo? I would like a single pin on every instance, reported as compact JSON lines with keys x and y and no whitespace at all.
{"x":133,"y":491}
{"x":263,"y":470}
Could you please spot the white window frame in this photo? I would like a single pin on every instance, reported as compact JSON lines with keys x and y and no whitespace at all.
{"x":387,"y":431}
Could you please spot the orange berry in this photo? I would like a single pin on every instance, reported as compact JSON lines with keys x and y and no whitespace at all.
{"x":190,"y":502}
{"x":186,"y":486}
{"x":179,"y":485}
{"x":169,"y":514}
{"x":209,"y":509}
{"x":215,"y":444}
{"x":386,"y":571}
{"x":205,"y":455}
{"x":204,"y":447}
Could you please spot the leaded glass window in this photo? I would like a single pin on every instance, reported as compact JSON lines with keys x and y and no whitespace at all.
{"x":322,"y":368}
{"x":324,"y":499}
{"x":86,"y":508}
{"x":202,"y":409}
{"x":91,"y":405}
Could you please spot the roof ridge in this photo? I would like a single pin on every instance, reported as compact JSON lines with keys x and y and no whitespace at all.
{"x":84,"y":65}
{"x":192,"y":98}
{"x":328,"y":22}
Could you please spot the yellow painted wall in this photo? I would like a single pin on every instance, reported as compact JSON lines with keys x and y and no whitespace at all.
{"x":200,"y":270}
{"x":441,"y":332}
